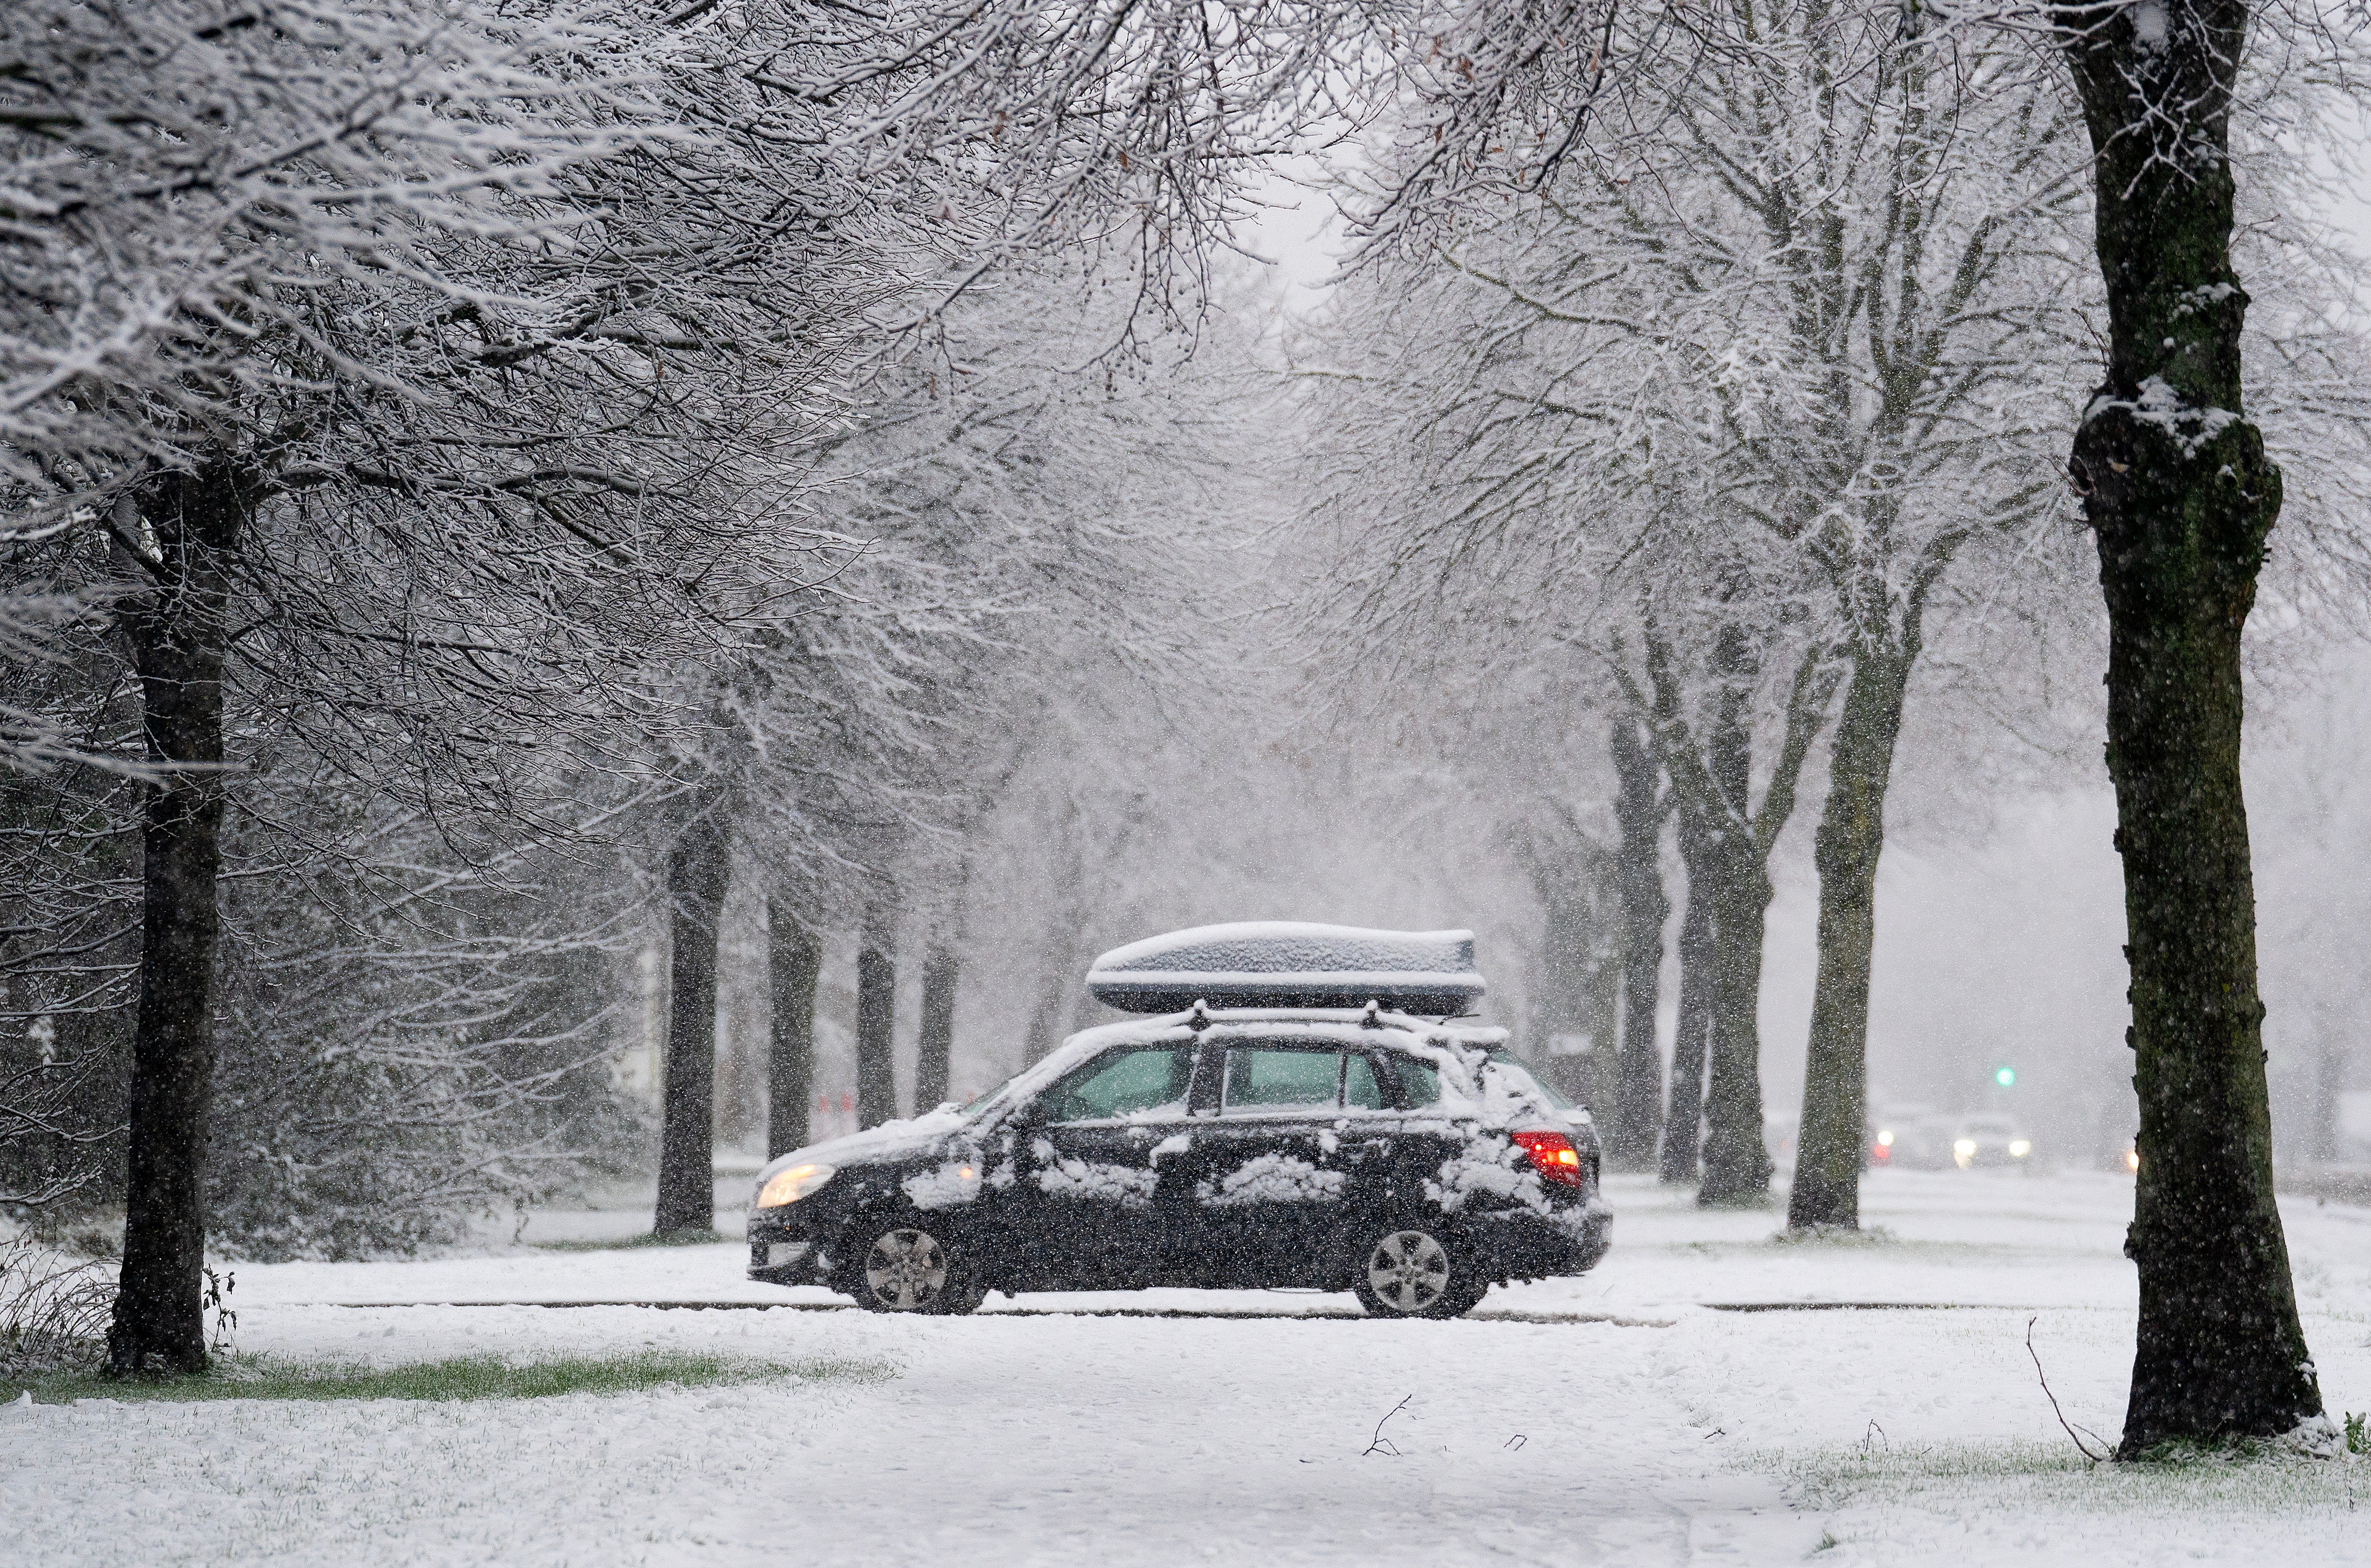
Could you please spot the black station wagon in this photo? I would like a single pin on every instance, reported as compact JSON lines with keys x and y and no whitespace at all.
{"x":1413,"y":1162}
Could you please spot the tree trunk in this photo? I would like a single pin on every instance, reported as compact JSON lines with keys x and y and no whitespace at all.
{"x":1045,"y":1016}
{"x":2180,"y":497}
{"x":696,"y":878}
{"x":936,"y":1045}
{"x":1736,"y":1163}
{"x":876,"y":1003}
{"x":1736,"y":1159}
{"x":1639,"y":809}
{"x":1691,"y":1046}
{"x":1833,"y":1137}
{"x":1568,"y":978}
{"x":179,"y":638}
{"x":2328,"y":1083}
{"x":795,"y":959}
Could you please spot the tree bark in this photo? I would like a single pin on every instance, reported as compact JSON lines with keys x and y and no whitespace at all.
{"x":933,"y":1051}
{"x":1833,"y":1137}
{"x":2328,"y":1083}
{"x":1045,"y":1015}
{"x":179,"y":634}
{"x":1736,"y":1163}
{"x":877,"y":1002}
{"x":1692,"y":1046}
{"x":696,"y":878}
{"x":1736,"y":1158}
{"x":1578,"y":987}
{"x":1639,"y":806}
{"x":2181,"y":497}
{"x":795,"y":959}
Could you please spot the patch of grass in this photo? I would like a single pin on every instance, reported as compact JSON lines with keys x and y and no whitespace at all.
{"x":461,"y":1377}
{"x":646,"y":1239}
{"x":1836,"y":1236}
{"x":2265,"y":1482}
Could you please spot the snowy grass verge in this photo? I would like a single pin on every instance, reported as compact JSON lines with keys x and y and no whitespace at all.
{"x":1871,"y":1485}
{"x":642,"y":1238}
{"x":454,"y":1378}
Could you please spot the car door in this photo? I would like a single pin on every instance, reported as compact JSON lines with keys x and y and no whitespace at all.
{"x":1080,"y":1212}
{"x":1269,"y":1179}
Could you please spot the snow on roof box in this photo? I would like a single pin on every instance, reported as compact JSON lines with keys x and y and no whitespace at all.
{"x":1279,"y":964}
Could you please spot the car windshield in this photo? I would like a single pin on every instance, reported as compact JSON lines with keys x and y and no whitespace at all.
{"x":979,"y":1102}
{"x":1505,"y":1062}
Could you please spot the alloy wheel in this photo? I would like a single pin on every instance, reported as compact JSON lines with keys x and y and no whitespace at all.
{"x":906,"y":1269}
{"x":1407,"y":1271}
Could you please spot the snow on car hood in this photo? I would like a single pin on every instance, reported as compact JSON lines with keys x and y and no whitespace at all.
{"x":890,"y":1140}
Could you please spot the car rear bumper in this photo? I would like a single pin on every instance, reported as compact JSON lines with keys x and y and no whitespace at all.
{"x":1525,"y":1244}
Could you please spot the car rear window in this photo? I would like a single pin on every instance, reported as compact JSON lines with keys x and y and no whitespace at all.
{"x":1122,"y":1082}
{"x":1505,"y":1061}
{"x":1262,"y":1078}
{"x":1419,"y":1081}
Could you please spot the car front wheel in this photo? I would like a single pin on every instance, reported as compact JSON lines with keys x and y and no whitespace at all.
{"x":1412,"y":1272}
{"x":902,"y":1267}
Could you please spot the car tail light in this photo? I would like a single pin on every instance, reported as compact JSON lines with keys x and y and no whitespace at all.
{"x":1882,"y":1153}
{"x":1553,"y":1156}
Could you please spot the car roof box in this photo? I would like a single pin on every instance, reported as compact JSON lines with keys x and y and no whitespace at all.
{"x":1278,"y":963}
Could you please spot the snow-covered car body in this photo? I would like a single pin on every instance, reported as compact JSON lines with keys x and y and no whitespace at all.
{"x":1249,"y":1146}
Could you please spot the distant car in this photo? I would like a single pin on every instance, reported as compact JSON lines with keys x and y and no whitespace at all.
{"x":1414,"y":1162}
{"x":1910,"y":1137}
{"x":1990,"y":1141}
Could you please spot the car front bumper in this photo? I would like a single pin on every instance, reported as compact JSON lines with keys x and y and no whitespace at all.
{"x":787,"y":1247}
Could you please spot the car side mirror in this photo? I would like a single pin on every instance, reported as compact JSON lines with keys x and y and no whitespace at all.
{"x":1027,"y":1117}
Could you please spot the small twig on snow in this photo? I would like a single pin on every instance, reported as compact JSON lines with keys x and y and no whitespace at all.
{"x":1515,"y":1442}
{"x":2071,"y":1431}
{"x":1382,"y":1444}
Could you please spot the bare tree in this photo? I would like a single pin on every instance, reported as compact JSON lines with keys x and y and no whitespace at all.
{"x":390,"y":362}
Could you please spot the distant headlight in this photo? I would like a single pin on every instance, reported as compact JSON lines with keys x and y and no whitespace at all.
{"x":2020,"y":1147}
{"x":1964,"y":1147}
{"x":1885,"y":1138}
{"x":790,"y":1186}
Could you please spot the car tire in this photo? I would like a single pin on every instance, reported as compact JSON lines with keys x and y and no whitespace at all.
{"x":1414,"y":1271}
{"x":900,"y":1265}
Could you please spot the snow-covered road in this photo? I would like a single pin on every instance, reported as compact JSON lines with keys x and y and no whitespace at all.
{"x":1617,"y":1418}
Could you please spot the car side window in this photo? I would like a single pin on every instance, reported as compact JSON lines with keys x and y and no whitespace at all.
{"x":1359,"y":1090}
{"x":1119,"y":1083}
{"x":1419,"y":1081}
{"x":1265,"y":1079}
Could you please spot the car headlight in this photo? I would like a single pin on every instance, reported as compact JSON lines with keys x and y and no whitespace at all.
{"x":1964,"y":1147}
{"x":2020,"y":1147}
{"x":1885,"y":1140}
{"x":790,"y":1186}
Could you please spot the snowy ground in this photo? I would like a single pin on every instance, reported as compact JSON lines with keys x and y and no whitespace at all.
{"x":1623,"y":1418}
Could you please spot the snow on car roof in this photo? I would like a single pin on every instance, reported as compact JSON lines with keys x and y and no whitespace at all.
{"x":1284,"y":963}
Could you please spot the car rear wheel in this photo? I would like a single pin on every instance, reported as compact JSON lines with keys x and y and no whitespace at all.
{"x":1412,"y":1272}
{"x":903,"y":1268}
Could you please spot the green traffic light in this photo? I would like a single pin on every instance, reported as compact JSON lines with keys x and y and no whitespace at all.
{"x":2005,"y":1076}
